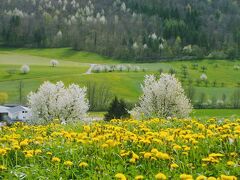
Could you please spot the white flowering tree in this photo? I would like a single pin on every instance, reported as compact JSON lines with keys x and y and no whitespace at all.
{"x":55,"y":101}
{"x":163,"y":97}
{"x":54,"y":62}
{"x":203,"y":77}
{"x":25,"y":69}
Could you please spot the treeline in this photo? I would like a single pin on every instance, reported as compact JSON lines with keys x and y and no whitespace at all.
{"x":126,"y":29}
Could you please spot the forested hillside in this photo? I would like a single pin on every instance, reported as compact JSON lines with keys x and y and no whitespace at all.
{"x":127,"y":29}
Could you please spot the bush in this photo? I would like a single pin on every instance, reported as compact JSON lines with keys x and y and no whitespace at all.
{"x":117,"y":110}
{"x":162,"y":97}
{"x":55,"y":101}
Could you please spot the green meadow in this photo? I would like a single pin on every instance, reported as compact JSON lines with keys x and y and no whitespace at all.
{"x":74,"y":64}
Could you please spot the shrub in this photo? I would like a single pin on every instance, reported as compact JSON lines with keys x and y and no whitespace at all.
{"x":162,"y":97}
{"x":117,"y":110}
{"x":25,"y":69}
{"x":55,"y":101}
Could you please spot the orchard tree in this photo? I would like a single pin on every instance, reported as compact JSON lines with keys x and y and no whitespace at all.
{"x":55,"y":101}
{"x":203,"y":77}
{"x":54,"y":62}
{"x":163,"y":97}
{"x":25,"y":69}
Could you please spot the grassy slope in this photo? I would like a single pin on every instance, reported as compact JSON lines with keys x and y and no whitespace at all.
{"x":73,"y":64}
{"x":65,"y":54}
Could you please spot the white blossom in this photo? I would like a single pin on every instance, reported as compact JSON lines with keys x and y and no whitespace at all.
{"x":161,"y":46}
{"x":116,"y":19}
{"x":203,"y":77}
{"x":121,"y":67}
{"x":59,"y":34}
{"x":25,"y":69}
{"x":55,"y":101}
{"x":154,"y":36}
{"x":220,"y":102}
{"x":103,"y":20}
{"x":162,"y":97}
{"x":145,"y":46}
{"x":236,"y":67}
{"x":187,"y":49}
{"x":135,"y":45}
{"x":54,"y":62}
{"x":123,"y":7}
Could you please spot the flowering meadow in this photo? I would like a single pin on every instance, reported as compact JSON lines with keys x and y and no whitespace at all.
{"x":152,"y":149}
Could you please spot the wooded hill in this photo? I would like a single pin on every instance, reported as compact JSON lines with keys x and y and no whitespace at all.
{"x":126,"y":29}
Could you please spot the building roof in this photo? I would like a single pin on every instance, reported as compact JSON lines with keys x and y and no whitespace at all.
{"x":17,"y":109}
{"x":4,"y":109}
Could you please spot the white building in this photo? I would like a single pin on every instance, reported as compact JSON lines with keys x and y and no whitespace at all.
{"x":19,"y":113}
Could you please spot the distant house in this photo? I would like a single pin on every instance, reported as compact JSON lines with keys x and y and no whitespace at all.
{"x":16,"y":113}
{"x":3,"y":113}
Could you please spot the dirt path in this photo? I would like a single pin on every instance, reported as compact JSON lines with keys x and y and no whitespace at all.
{"x":89,"y":71}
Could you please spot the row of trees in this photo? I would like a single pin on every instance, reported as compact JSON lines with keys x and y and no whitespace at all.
{"x":146,"y":29}
{"x":204,"y":100}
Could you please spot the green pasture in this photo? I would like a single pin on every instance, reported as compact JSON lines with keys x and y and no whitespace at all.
{"x":74,"y":64}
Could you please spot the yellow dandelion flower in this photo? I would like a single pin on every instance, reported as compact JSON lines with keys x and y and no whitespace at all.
{"x":56,"y":159}
{"x":28,"y":155}
{"x":132,"y":160}
{"x":83,"y":164}
{"x":135,"y":156}
{"x":16,"y":147}
{"x":49,"y":153}
{"x":68,"y":163}
{"x":201,"y":177}
{"x":160,"y":176}
{"x":225,"y":177}
{"x":177,"y":147}
{"x":3,"y":151}
{"x":2,"y":168}
{"x":38,"y":151}
{"x":186,"y":177}
{"x":120,"y":176}
{"x":24,"y":142}
{"x":230,"y":163}
{"x":174,"y":165}
{"x":147,"y":155}
{"x":139,"y":177}
{"x":154,"y":150}
{"x":211,"y":178}
{"x":104,"y":145}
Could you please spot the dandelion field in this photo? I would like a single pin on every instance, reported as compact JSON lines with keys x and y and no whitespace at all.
{"x":130,"y":149}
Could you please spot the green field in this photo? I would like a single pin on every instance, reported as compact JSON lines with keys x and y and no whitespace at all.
{"x":198,"y":113}
{"x":73,"y":65}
